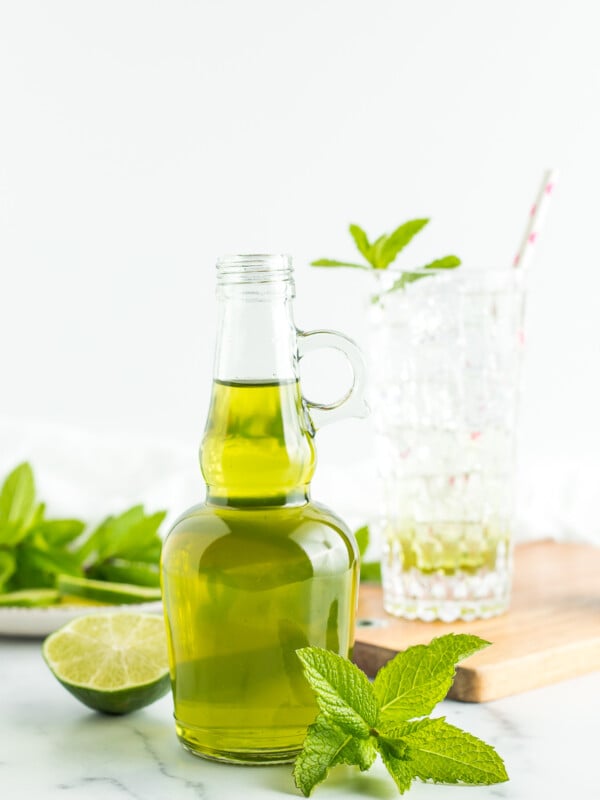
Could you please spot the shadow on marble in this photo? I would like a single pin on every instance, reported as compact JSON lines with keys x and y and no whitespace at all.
{"x":353,"y":782}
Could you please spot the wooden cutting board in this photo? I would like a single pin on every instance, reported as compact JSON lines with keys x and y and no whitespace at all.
{"x":551,"y":631}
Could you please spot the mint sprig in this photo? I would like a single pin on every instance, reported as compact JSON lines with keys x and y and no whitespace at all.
{"x":358,"y":719}
{"x":382,"y":252}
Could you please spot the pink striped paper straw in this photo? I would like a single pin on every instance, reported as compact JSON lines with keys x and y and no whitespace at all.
{"x":536,"y":220}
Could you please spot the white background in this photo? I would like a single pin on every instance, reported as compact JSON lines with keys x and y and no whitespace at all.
{"x":139,"y":140}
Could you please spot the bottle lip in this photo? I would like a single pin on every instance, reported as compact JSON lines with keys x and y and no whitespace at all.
{"x":254,"y":268}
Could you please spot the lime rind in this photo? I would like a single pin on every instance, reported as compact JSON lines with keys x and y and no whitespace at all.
{"x":120,"y":702}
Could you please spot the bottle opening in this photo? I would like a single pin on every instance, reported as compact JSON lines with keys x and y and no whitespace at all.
{"x":254,"y":268}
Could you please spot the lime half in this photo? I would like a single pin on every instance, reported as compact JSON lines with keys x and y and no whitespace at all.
{"x":113,"y":663}
{"x":106,"y":592}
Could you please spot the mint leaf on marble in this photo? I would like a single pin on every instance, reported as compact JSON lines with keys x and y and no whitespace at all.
{"x":393,"y":755}
{"x":433,"y":750}
{"x":326,"y":745}
{"x":343,"y":691}
{"x":414,"y":682}
{"x":357,"y":720}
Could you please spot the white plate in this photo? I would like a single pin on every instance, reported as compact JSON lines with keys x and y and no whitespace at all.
{"x":36,"y":622}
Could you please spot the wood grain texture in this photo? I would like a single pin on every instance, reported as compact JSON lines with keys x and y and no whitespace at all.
{"x":551,"y":631}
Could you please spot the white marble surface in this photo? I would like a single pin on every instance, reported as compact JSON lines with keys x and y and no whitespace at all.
{"x":53,"y":747}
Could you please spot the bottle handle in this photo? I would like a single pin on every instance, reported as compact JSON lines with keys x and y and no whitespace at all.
{"x":353,"y":403}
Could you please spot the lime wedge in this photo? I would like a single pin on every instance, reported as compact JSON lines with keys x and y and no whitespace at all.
{"x":28,"y":598}
{"x":105,"y":592}
{"x":113,"y":663}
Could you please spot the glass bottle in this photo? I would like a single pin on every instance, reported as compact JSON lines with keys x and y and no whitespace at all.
{"x":258,"y":570}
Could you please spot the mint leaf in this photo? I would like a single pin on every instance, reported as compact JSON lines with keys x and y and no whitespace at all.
{"x":447,"y":262}
{"x":132,"y":535}
{"x":358,"y":752}
{"x":8,"y":564}
{"x":362,"y":539}
{"x":437,"y":751}
{"x":38,"y":564}
{"x":323,"y":743}
{"x":405,"y":279}
{"x":115,"y":532}
{"x":393,"y":755}
{"x":17,"y":504}
{"x":375,"y":258}
{"x":397,"y":241}
{"x":49,"y":557}
{"x":17,"y":497}
{"x":58,"y":531}
{"x":370,"y":571}
{"x":142,"y":541}
{"x":329,"y":262}
{"x":326,"y":745}
{"x":360,"y":240}
{"x":414,"y":681}
{"x":343,"y":691}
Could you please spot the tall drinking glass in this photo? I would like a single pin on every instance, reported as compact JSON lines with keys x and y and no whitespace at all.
{"x":446,"y":353}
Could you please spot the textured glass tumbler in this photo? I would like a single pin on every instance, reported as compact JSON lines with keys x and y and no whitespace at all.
{"x":446,"y":352}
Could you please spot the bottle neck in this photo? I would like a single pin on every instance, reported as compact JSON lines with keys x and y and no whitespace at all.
{"x":257,"y":448}
{"x":256,"y":335}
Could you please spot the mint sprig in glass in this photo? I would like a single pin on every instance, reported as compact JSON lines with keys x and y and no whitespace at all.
{"x":382,"y":253}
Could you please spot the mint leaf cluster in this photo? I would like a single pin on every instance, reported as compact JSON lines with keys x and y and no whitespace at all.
{"x":358,"y":720}
{"x":35,"y":549}
{"x":381,"y":253}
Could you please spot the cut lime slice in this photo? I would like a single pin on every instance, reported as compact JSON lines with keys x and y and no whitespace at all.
{"x":27,"y":598}
{"x":113,"y":663}
{"x":105,"y":592}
